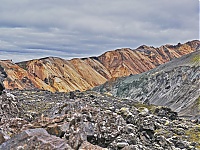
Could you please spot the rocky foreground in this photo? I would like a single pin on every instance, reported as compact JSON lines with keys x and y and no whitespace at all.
{"x":35,"y":119}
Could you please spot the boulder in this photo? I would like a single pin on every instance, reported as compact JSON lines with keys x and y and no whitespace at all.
{"x":88,"y":146}
{"x":35,"y":139}
{"x":166,"y":112}
{"x":2,"y":139}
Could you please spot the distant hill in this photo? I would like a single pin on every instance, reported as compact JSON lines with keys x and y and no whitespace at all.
{"x":56,"y":74}
{"x":174,"y":84}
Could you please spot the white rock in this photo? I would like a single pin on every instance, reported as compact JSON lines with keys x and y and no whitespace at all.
{"x":122,"y":144}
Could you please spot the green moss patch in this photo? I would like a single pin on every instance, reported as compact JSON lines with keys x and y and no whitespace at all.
{"x":194,"y":135}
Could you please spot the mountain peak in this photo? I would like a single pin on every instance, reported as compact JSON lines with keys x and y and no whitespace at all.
{"x":144,"y":47}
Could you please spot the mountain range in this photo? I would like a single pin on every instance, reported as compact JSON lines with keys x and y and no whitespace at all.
{"x":57,"y":74}
{"x":127,"y":99}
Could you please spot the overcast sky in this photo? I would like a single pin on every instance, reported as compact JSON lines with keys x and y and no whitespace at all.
{"x":68,"y":28}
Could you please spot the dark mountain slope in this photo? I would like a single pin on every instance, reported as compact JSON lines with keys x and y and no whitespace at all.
{"x":174,"y":84}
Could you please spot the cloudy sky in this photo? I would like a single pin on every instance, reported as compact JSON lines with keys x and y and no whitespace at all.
{"x":68,"y":28}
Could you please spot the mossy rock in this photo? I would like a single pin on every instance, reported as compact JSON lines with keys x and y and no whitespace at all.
{"x":196,"y":59}
{"x":194,"y":135}
{"x":149,"y":107}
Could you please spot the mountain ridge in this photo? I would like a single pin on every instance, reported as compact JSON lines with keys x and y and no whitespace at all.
{"x":112,"y":117}
{"x":57,"y":74}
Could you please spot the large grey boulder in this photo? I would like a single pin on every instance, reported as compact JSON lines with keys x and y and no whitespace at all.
{"x":35,"y":139}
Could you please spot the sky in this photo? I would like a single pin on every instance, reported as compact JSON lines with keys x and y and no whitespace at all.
{"x":31,"y":29}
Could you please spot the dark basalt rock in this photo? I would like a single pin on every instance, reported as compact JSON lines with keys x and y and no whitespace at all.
{"x":2,"y":138}
{"x":1,"y":88}
{"x":2,"y":76}
{"x":72,"y":95}
{"x":166,"y":112}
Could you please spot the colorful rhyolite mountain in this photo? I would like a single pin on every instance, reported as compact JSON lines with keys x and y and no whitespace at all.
{"x":56,"y":74}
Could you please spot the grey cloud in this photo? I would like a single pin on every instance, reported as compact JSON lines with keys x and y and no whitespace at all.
{"x":91,"y":27}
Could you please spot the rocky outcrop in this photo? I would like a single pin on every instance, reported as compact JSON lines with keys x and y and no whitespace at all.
{"x":174,"y":84}
{"x":56,"y":74}
{"x":35,"y":139}
{"x":95,"y":121}
{"x":9,"y":106}
{"x":3,"y":75}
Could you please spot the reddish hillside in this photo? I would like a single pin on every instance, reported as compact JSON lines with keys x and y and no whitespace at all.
{"x":56,"y":74}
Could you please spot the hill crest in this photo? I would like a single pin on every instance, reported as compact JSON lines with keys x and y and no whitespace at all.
{"x":57,"y":74}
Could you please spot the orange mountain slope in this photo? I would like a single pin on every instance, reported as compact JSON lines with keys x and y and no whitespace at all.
{"x":56,"y":74}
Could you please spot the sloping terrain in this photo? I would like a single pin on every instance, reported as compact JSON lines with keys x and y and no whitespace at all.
{"x":35,"y":119}
{"x":175,"y":84}
{"x":123,"y":62}
{"x":63,"y":75}
{"x":18,"y":78}
{"x":56,"y":74}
